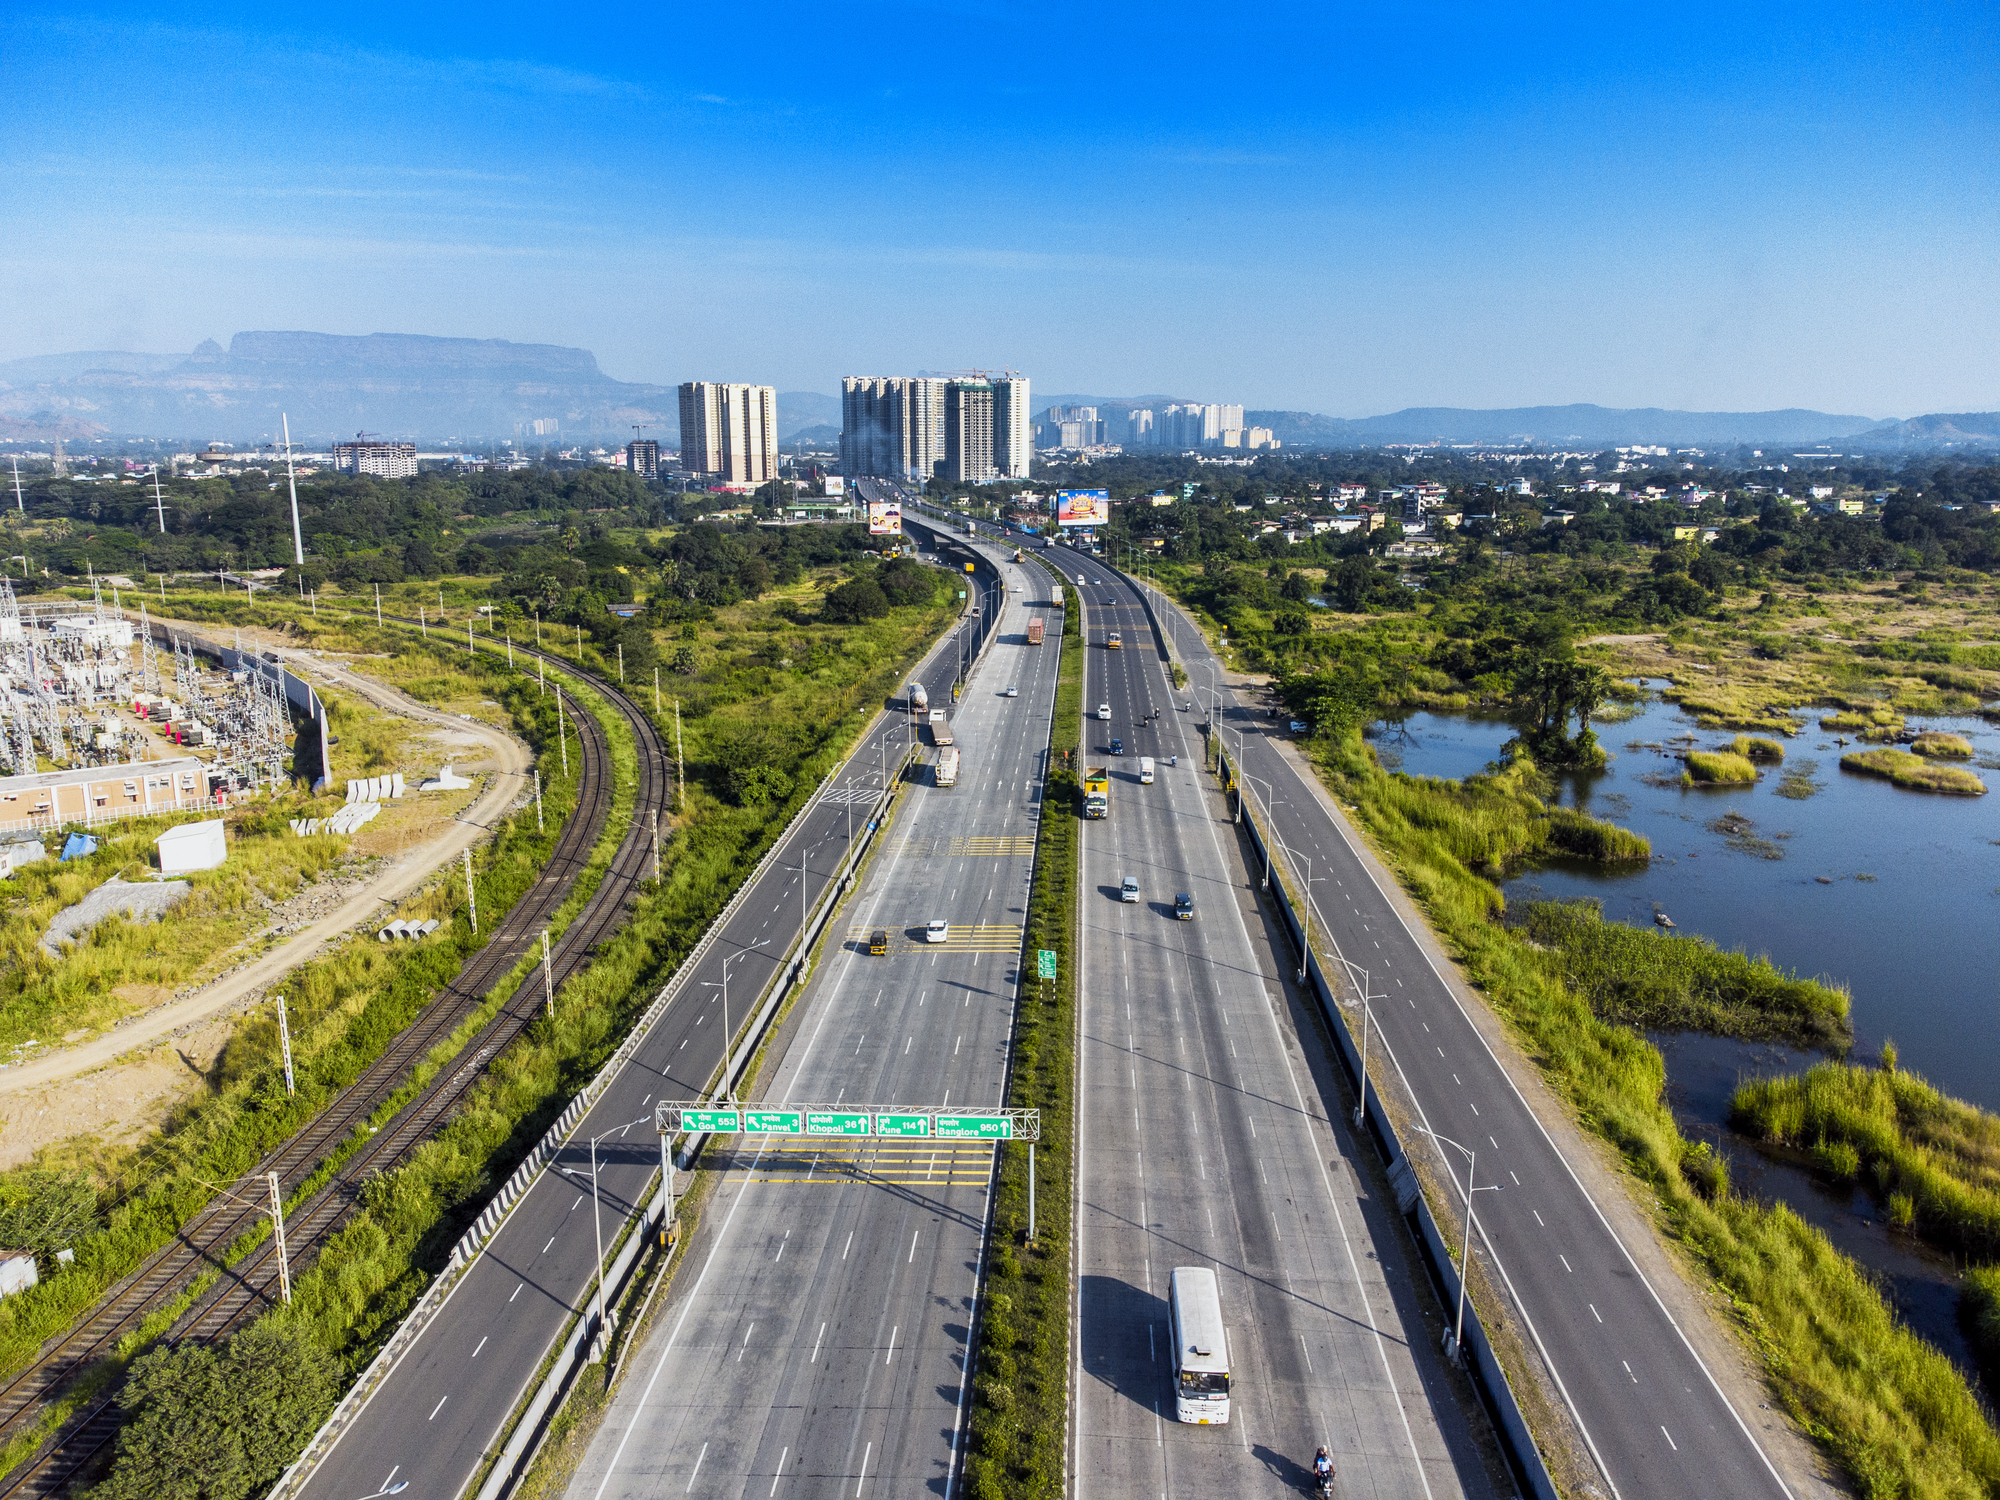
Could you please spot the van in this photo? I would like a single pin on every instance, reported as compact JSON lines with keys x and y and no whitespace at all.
{"x":1145,"y":770}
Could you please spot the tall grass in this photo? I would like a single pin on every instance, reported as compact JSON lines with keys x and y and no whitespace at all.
{"x":1653,"y":981}
{"x":1895,"y":1414}
{"x":1719,"y":767}
{"x":1914,"y":771}
{"x":1020,"y":1395}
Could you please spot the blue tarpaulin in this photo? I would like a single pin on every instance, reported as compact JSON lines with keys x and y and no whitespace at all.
{"x":79,"y":846}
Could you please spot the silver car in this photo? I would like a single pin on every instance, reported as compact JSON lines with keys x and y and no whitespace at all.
{"x":1129,"y":891}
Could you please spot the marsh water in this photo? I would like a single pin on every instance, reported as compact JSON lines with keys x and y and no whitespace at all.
{"x":1890,"y":892}
{"x":1893,"y":893}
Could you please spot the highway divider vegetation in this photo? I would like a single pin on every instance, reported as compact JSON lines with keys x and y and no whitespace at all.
{"x":351,"y":1299}
{"x":1893,"y":1412}
{"x":1020,"y":1410}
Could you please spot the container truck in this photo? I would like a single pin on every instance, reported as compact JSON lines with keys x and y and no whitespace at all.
{"x":945,"y":773}
{"x":1035,"y":631}
{"x":1096,"y":792}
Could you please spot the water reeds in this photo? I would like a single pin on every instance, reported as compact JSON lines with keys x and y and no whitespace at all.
{"x":1756,"y":747}
{"x":1940,"y":746}
{"x":1913,"y":771}
{"x":1718,"y":768}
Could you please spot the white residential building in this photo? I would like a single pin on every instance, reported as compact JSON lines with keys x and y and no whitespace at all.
{"x":730,"y":431}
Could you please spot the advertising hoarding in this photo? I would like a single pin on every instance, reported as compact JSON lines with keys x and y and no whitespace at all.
{"x":885,"y":518}
{"x":1083,"y":507}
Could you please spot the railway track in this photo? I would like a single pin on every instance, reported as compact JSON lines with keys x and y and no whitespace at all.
{"x":250,"y":1285}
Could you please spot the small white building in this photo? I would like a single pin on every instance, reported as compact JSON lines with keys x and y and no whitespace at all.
{"x":192,"y":846}
{"x":17,"y":1272}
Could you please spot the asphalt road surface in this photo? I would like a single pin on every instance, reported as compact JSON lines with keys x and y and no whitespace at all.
{"x":445,"y":1404}
{"x":1205,"y":1140}
{"x":1653,"y":1419}
{"x":815,"y":1341}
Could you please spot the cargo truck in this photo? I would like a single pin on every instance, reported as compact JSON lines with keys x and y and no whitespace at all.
{"x":1145,"y":770}
{"x":1035,"y":631}
{"x":945,"y":773}
{"x":940,"y":728}
{"x":1096,"y":792}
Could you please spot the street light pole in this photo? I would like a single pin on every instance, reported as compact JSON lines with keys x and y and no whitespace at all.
{"x":1455,"y":1341}
{"x":729,"y":1037}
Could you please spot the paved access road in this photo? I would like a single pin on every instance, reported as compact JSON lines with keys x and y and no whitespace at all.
{"x":1205,"y":1140}
{"x":445,"y":1404}
{"x":1652,"y":1417}
{"x":815,"y":1341}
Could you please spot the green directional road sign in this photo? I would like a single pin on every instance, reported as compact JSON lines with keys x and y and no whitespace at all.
{"x":1045,"y":963}
{"x":772,"y":1121}
{"x":711,"y":1121}
{"x":902,"y":1124}
{"x":834,"y":1123}
{"x":974,"y":1128}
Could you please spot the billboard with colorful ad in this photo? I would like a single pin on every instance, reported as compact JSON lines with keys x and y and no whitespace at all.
{"x":1083,"y":507}
{"x":885,"y":518}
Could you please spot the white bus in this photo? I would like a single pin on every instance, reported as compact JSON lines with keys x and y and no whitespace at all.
{"x":1201,"y":1347}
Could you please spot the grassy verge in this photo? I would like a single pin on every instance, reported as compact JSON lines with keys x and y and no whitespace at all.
{"x":1020,"y":1395}
{"x":1656,"y":982}
{"x":1893,"y":1413}
{"x":1913,"y":771}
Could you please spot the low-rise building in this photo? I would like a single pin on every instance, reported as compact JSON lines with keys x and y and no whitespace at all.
{"x":87,"y":794}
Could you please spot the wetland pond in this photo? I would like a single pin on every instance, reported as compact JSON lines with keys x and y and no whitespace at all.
{"x":1890,"y":892}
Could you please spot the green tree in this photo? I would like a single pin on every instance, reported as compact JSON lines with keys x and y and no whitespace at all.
{"x":855,"y":601}
{"x":208,"y":1423}
{"x":44,"y":1212}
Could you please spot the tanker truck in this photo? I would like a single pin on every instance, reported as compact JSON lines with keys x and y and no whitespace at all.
{"x":919,"y":699}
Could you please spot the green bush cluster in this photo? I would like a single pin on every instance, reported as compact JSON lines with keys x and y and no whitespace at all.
{"x":1020,"y":1393}
{"x":1718,"y":768}
{"x":1655,"y":981}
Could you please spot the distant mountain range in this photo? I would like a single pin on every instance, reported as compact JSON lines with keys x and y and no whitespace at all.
{"x":413,"y":386}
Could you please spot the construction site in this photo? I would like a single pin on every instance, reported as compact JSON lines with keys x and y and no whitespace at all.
{"x":85,"y":687}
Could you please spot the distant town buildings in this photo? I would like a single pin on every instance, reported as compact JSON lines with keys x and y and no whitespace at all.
{"x":729,"y":431}
{"x":367,"y":455}
{"x":642,"y":457}
{"x":1194,"y":425}
{"x":916,"y":428}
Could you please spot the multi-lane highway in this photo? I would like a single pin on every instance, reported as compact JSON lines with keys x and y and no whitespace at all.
{"x":815,"y":1341}
{"x":1652,"y":1414}
{"x":446,"y":1403}
{"x":1204,"y":1140}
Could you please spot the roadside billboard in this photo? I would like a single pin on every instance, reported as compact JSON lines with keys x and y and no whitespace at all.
{"x":885,"y":518}
{"x":1083,"y":507}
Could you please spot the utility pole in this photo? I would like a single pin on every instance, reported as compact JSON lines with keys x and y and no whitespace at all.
{"x":21,"y":505}
{"x":680,"y":763}
{"x":541,"y":677}
{"x":285,"y":1043}
{"x":421,"y":625}
{"x":548,"y":984}
{"x":510,"y":648}
{"x":562,"y":734}
{"x":378,"y":606}
{"x":159,"y":501}
{"x":656,"y":844}
{"x":538,"y":800}
{"x":468,"y":635}
{"x":656,"y":690}
{"x":278,"y":1239}
{"x":621,"y":663}
{"x":471,"y":897}
{"x":298,"y":545}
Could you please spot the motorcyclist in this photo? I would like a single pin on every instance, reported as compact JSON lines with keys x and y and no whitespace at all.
{"x":1323,"y":1468}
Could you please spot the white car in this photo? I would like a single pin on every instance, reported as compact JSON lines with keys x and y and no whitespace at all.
{"x":1104,"y":712}
{"x":1013,"y":692}
{"x":938,"y":932}
{"x":1079,"y":580}
{"x":1129,"y":891}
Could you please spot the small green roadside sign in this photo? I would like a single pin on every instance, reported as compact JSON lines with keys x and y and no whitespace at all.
{"x":1045,"y":963}
{"x":974,"y":1128}
{"x":711,"y":1121}
{"x":828,"y":1122}
{"x":771,"y":1121}
{"x":902,"y":1124}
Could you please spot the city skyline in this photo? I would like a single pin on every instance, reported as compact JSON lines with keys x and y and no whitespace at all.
{"x":1703,"y":210}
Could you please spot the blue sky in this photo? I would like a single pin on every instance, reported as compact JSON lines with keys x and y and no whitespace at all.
{"x":1338,"y":209}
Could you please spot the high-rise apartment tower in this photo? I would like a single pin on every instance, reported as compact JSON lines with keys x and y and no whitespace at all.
{"x":730,"y":431}
{"x":892,"y":426}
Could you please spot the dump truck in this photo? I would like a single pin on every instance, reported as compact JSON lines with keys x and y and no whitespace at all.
{"x":945,"y":773}
{"x":1035,"y":631}
{"x":1096,"y":792}
{"x":940,"y":728}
